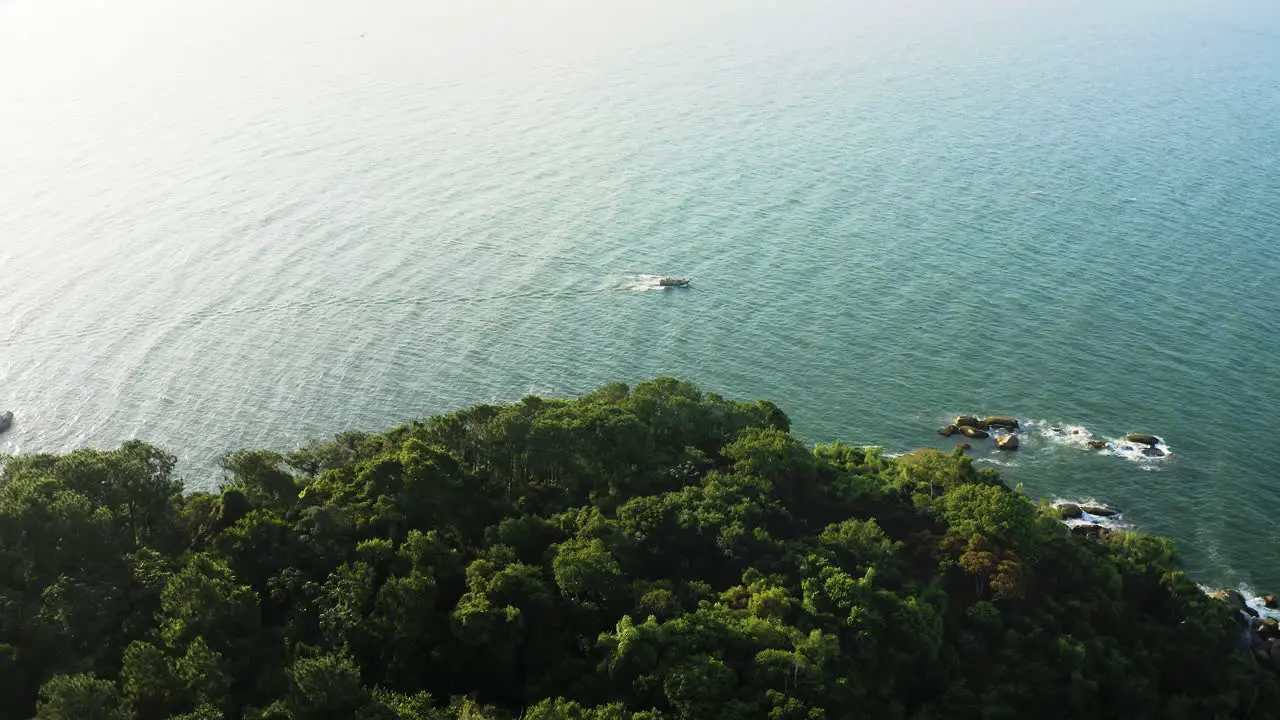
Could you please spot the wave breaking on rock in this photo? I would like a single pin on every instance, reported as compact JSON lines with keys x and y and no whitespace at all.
{"x":1137,"y":447}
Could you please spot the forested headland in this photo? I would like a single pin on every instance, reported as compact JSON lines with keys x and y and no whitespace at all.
{"x":644,"y":553}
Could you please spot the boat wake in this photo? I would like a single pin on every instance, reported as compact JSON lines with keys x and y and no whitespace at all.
{"x":645,"y":282}
{"x":642,"y":283}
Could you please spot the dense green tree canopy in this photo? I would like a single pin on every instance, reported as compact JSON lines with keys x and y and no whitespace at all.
{"x":637,"y":553}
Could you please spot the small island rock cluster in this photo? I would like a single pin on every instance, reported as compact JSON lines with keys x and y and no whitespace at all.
{"x":979,"y":429}
{"x":1151,"y":442}
{"x":1004,"y":429}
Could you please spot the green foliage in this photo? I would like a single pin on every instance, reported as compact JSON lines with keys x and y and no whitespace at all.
{"x":586,"y":572}
{"x":79,"y":697}
{"x":635,"y":554}
{"x":203,"y":600}
{"x":326,"y":686}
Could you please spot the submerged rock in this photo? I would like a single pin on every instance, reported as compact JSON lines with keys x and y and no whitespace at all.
{"x":966,"y":421}
{"x":6,"y":420}
{"x":1007,"y":442}
{"x":963,"y":448}
{"x":1142,"y":439}
{"x":1153,"y":452}
{"x":1098,"y":444}
{"x":1070,"y":511}
{"x":948,"y":431}
{"x":1001,"y":421}
{"x":1099,"y":511}
{"x":970,"y":431}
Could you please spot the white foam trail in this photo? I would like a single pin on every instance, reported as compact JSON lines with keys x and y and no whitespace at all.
{"x":1089,"y":501}
{"x":643,"y":283}
{"x":996,"y":461}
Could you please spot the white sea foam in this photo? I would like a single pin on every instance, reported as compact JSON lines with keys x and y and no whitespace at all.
{"x":1136,"y":452}
{"x":1254,"y":600}
{"x":996,"y":461}
{"x":1060,"y":433}
{"x":1080,"y":436}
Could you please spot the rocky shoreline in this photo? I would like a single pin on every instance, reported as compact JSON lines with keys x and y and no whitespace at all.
{"x":1261,"y":620}
{"x":1259,"y":617}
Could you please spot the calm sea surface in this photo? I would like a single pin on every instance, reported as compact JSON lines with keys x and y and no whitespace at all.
{"x":235,"y":223}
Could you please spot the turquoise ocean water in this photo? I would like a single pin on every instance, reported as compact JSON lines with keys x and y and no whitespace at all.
{"x":249,"y":224}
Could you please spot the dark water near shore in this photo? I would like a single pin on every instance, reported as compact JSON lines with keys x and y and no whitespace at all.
{"x":235,"y":224}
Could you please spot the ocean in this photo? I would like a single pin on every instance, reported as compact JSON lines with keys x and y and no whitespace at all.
{"x":243,"y":224}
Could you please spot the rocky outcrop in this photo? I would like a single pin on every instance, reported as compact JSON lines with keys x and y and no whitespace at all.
{"x":1098,"y":444}
{"x":948,"y":431}
{"x":1232,"y":598}
{"x":1264,"y":640}
{"x":970,"y":431}
{"x":1070,"y":511}
{"x":1096,"y":532}
{"x":1142,"y":439}
{"x":966,"y":421}
{"x":1007,"y":442}
{"x":1099,"y":511}
{"x":1270,"y":601}
{"x":1003,"y":422}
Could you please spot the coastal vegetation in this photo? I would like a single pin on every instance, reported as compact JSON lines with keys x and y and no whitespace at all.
{"x":636,"y":553}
